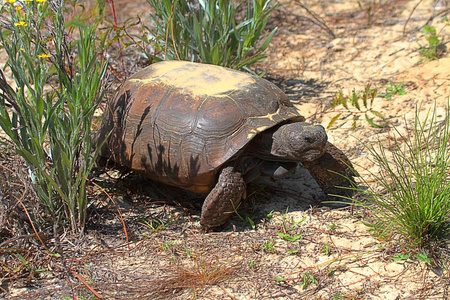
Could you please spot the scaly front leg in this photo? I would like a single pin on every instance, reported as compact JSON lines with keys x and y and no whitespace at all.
{"x":223,"y":199}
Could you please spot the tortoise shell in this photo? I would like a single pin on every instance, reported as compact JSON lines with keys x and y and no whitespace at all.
{"x":179,"y":122}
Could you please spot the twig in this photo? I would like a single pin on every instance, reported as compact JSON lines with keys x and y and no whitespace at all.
{"x":118,"y":211}
{"x":317,"y":19}
{"x":358,"y":281}
{"x":113,"y":12}
{"x":31,"y":221}
{"x":170,"y":25}
{"x":409,"y":17}
{"x":85,"y":284}
{"x":228,"y":293}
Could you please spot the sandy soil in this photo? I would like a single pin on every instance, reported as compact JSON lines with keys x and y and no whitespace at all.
{"x":331,"y":254}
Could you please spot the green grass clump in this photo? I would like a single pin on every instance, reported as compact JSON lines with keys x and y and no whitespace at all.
{"x":393,"y":89}
{"x":47,"y":112}
{"x":209,"y":31}
{"x":414,"y":201}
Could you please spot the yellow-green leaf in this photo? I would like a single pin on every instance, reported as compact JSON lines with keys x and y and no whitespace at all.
{"x":333,"y":120}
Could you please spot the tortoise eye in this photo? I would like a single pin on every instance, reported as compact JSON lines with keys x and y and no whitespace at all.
{"x":309,"y":139}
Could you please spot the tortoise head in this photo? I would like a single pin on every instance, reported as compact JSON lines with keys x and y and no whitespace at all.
{"x":299,"y":141}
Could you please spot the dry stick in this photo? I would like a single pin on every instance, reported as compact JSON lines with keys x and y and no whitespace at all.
{"x":167,"y":32}
{"x":362,"y":279}
{"x":166,"y":193}
{"x":333,"y":260}
{"x":84,"y":282}
{"x":317,"y":18}
{"x":113,"y":12}
{"x":173,"y":40}
{"x":29,"y":218}
{"x":171,"y":31}
{"x":118,"y":210}
{"x":433,"y":16}
{"x":4,"y":291}
{"x":409,"y":17}
{"x":228,"y":293}
{"x":137,"y":44}
{"x":167,"y":38}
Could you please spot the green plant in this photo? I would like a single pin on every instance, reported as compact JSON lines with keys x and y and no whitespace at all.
{"x":246,"y":219}
{"x":326,"y":250}
{"x":169,"y":244}
{"x":154,"y":224}
{"x":289,"y":225}
{"x":29,"y":267}
{"x":401,"y":257}
{"x":47,"y":112}
{"x":252,"y":264}
{"x":279,"y":279}
{"x":269,"y":246}
{"x":293,"y":251}
{"x":434,"y":49}
{"x":367,"y":96}
{"x":250,"y":221}
{"x":337,"y":296}
{"x":187,"y":252}
{"x":393,"y":89}
{"x":209,"y":32}
{"x":269,"y":215}
{"x":412,"y":198}
{"x":423,"y":256}
{"x":307,"y":280}
{"x":332,"y":226}
{"x":368,"y":7}
{"x":288,"y":237}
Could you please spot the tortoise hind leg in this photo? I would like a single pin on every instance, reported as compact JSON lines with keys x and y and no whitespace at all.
{"x":223,"y":199}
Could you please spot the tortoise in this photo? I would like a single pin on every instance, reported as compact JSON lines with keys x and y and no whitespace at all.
{"x":207,"y":129}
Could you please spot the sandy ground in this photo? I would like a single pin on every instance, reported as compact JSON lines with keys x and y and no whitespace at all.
{"x":332,"y":254}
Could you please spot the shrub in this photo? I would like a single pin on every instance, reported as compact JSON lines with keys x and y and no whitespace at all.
{"x":47,"y":112}
{"x":414,"y":200}
{"x":436,"y":48}
{"x":209,"y":32}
